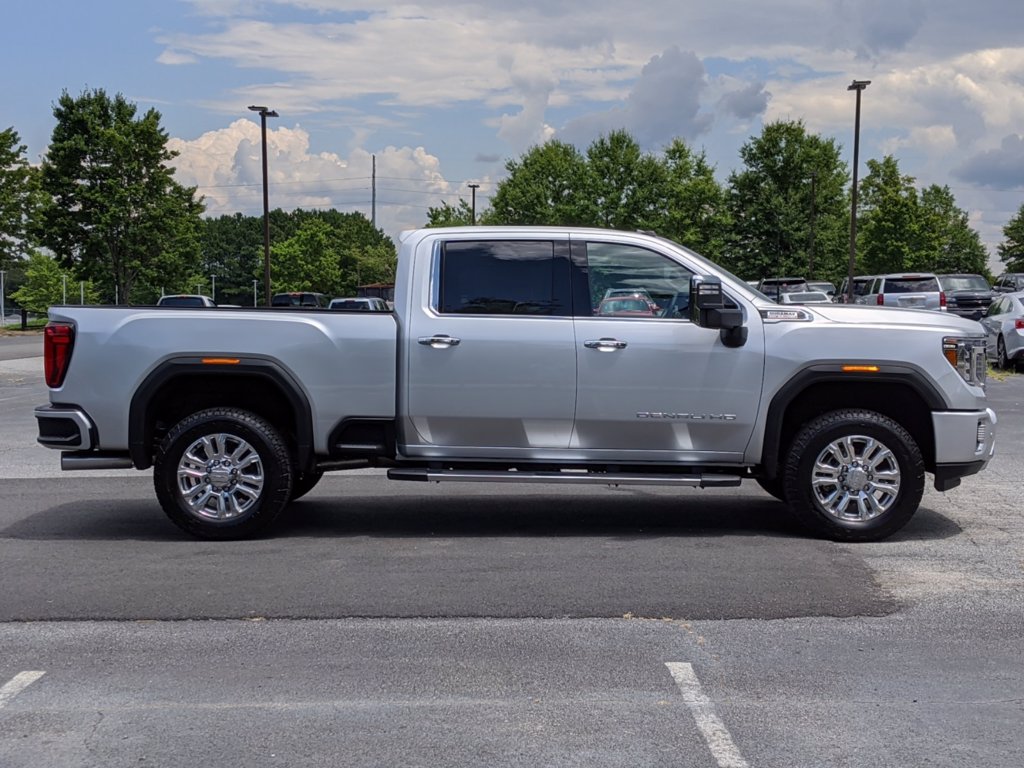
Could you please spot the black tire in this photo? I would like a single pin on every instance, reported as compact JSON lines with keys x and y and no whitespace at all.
{"x":774,"y":486}
{"x":238,"y":474}
{"x":1002,"y":361}
{"x":884,"y":501}
{"x":304,"y":482}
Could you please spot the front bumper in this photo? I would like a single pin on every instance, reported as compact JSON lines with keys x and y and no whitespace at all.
{"x":965,"y":441}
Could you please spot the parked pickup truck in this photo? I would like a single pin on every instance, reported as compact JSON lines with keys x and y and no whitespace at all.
{"x":496,"y":366}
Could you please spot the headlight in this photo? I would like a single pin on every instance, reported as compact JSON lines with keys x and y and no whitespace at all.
{"x":967,"y":355}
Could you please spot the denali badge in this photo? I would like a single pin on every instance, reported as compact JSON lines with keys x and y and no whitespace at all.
{"x":686,"y":416}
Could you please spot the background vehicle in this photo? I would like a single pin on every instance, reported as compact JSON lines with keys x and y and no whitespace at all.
{"x":360,"y":303}
{"x":627,"y":306}
{"x":299,"y":299}
{"x":495,"y":366}
{"x":919,"y":290}
{"x":1010,"y":282}
{"x":967,"y":295}
{"x":185,"y":300}
{"x":805,"y":297}
{"x":773,"y":287}
{"x":860,"y":284}
{"x":1004,"y":326}
{"x":829,"y":289}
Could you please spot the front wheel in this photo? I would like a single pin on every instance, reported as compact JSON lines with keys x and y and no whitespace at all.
{"x":854,"y":475}
{"x":1002,"y":360}
{"x":223,"y":473}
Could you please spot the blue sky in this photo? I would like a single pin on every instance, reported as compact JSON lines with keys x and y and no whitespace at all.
{"x":443,"y":93}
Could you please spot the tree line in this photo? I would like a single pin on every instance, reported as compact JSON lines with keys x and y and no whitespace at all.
{"x":104,"y":213}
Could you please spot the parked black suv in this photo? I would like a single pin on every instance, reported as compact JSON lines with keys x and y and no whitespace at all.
{"x":966,"y":295}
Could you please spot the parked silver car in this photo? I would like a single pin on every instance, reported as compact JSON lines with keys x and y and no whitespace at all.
{"x":915,"y":290}
{"x":1004,"y":325}
{"x":805,"y":297}
{"x":360,"y":304}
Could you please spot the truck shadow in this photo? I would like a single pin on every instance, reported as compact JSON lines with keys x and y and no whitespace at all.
{"x":326,"y":516}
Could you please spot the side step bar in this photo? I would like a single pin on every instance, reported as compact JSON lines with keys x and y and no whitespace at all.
{"x":565,"y":478}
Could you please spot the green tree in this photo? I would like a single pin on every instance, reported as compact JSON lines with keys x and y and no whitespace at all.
{"x":1011,"y":250}
{"x":114,"y":213}
{"x":308,"y":261}
{"x":624,"y":187}
{"x":45,"y":283}
{"x":231,"y":248}
{"x":448,"y":215}
{"x":949,"y":242}
{"x":787,"y":205}
{"x":19,"y":197}
{"x":890,"y":233}
{"x":693,"y":208}
{"x":545,"y":186}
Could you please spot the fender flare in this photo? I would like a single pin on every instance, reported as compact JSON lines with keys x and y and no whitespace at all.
{"x":824,"y":373}
{"x":140,"y":434}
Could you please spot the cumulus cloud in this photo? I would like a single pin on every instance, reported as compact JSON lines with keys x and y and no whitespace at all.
{"x":1001,"y":168}
{"x":746,"y":103}
{"x":226,"y":166}
{"x":665,"y":103}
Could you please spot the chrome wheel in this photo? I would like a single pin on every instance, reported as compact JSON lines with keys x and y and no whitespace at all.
{"x":220,"y":477}
{"x":856,"y":478}
{"x":1002,"y":361}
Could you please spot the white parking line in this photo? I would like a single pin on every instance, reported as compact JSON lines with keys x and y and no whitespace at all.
{"x":17,"y":684}
{"x":722,"y":747}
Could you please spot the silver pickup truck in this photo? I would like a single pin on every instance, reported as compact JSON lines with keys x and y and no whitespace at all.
{"x":504,"y":360}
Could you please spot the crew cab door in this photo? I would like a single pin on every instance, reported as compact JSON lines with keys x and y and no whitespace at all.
{"x":653,"y":386}
{"x":490,"y":368}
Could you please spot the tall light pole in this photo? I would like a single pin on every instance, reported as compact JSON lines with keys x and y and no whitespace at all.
{"x":474,"y":186}
{"x":858,"y":86}
{"x":264,"y":114}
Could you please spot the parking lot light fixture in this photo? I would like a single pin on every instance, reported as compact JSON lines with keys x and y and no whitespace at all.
{"x":858,"y":86}
{"x":264,"y":113}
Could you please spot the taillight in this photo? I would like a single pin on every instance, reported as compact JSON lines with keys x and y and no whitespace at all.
{"x":942,"y":299}
{"x":58,"y":341}
{"x":1018,"y":324}
{"x":880,"y":299}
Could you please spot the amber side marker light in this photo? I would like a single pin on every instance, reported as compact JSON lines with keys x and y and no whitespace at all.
{"x":950,"y":352}
{"x":220,"y":361}
{"x":860,"y":369}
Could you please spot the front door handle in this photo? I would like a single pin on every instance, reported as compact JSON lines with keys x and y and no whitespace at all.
{"x":605,"y":344}
{"x":439,"y":341}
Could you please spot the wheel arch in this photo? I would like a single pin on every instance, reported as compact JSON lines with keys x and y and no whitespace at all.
{"x":899,"y":392}
{"x":180,"y":386}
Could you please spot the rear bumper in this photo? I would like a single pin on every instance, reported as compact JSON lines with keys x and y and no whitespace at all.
{"x":65,"y":428}
{"x":965,"y":441}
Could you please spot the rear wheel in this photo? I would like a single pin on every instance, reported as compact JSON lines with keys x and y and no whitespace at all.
{"x":1002,"y":361}
{"x":854,"y":475}
{"x":223,"y":473}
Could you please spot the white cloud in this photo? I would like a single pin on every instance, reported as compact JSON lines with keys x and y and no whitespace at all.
{"x":226,"y":166}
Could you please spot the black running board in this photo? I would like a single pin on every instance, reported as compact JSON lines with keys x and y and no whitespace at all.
{"x":566,"y":477}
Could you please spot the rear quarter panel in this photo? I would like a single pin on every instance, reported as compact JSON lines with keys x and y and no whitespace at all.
{"x":344,"y":363}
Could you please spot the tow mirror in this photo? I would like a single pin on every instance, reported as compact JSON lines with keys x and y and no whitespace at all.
{"x":708,"y":310}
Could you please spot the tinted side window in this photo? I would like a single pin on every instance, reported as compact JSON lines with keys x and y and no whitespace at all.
{"x":628,"y":281}
{"x":499,"y":277}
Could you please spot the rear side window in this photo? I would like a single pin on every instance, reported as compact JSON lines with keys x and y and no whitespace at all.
{"x":501,"y":277}
{"x":911,"y":285}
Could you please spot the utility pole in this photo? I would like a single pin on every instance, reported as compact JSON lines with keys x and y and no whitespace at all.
{"x":858,"y":86}
{"x":373,"y":192}
{"x":473,"y":186}
{"x":3,"y":311}
{"x":810,"y":248}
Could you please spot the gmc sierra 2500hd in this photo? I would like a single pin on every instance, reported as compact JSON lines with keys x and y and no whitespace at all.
{"x":504,"y":361}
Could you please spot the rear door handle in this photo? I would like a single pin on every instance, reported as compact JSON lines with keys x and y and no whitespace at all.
{"x":439,"y":341}
{"x":605,"y":345}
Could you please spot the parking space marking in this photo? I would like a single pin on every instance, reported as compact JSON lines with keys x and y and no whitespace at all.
{"x":711,"y":727}
{"x":16,"y":685}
